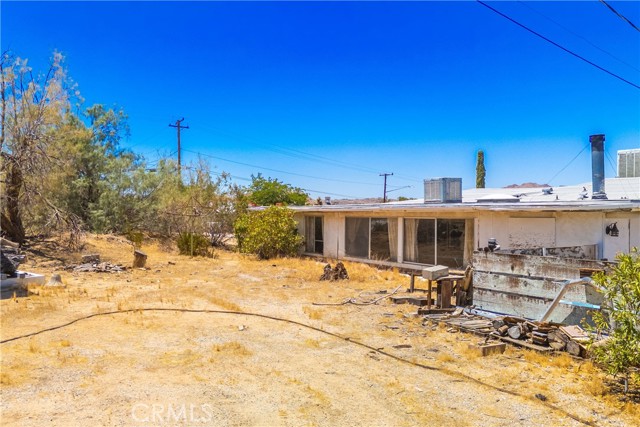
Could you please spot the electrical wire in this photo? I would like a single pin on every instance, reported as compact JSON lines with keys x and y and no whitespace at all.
{"x":558,"y":46}
{"x":299,"y":154}
{"x":621,"y":16}
{"x":626,"y":188}
{"x":251,"y":180}
{"x":278,"y":170}
{"x":567,"y":165}
{"x":579,"y":36}
{"x":322,"y":331}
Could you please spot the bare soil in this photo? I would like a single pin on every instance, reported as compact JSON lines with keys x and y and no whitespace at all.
{"x":213,"y":368}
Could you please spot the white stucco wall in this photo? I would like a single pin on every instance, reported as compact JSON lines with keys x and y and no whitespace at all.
{"x":511,"y":229}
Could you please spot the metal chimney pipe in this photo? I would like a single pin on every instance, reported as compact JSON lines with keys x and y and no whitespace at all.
{"x":597,"y":166}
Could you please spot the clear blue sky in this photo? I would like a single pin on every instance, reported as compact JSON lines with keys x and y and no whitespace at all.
{"x":327,"y":95}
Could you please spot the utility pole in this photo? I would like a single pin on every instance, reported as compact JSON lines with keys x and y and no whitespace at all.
{"x":384,"y":199}
{"x":179,"y":126}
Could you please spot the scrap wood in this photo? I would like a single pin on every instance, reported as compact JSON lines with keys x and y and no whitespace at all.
{"x":103,"y":267}
{"x":353,"y":301}
{"x":575,"y":333}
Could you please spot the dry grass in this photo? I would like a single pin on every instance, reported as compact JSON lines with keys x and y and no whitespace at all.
{"x":180,"y":358}
{"x":313,"y":313}
{"x":233,"y":348}
{"x":170,"y":345}
{"x":312,"y":343}
{"x":227,"y":305}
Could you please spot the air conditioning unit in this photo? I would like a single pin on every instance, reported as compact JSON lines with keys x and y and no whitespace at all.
{"x":443,"y":190}
{"x":629,"y":163}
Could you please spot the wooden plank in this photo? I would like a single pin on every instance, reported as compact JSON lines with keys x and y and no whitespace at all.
{"x":515,"y":304}
{"x":535,"y":287}
{"x":522,"y":343}
{"x":532,"y":265}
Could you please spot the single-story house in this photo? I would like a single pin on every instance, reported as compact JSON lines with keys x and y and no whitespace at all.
{"x":448,"y":225}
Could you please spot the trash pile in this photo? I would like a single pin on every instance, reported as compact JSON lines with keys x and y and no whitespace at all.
{"x":339,"y":272}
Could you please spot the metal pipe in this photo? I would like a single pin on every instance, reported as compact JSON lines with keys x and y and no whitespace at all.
{"x":565,"y":287}
{"x":597,"y":166}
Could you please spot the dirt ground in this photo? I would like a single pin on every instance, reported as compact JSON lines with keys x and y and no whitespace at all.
{"x":209,"y":368}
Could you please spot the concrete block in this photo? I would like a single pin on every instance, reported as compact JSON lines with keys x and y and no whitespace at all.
{"x":435,"y":272}
{"x":488,"y":349}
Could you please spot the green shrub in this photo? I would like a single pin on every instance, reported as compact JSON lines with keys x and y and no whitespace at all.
{"x":619,"y":354}
{"x":136,"y":238}
{"x":194,"y":244}
{"x":268,"y":233}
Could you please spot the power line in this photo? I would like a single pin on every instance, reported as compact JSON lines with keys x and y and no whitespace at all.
{"x":280,"y":171}
{"x":299,"y":154}
{"x":250,"y":180}
{"x":567,"y":165}
{"x":557,"y":45}
{"x":621,"y":16}
{"x":579,"y":36}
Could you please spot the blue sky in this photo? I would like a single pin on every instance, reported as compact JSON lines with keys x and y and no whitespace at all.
{"x":328,"y":95}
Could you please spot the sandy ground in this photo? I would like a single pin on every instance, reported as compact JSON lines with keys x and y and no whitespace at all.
{"x":146,"y":368}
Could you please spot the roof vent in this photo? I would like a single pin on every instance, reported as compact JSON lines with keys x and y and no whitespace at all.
{"x":443,"y":190}
{"x":498,"y":198}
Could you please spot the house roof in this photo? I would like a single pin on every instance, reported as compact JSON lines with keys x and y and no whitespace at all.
{"x":623,"y":194}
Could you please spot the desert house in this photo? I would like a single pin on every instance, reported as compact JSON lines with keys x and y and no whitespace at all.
{"x":589,"y":221}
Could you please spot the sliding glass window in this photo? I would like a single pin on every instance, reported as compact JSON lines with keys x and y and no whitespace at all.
{"x":372,"y":238}
{"x":435,"y":241}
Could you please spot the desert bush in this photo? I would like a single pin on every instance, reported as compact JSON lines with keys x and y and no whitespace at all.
{"x":268,"y":233}
{"x":619,"y":353}
{"x":194,"y":244}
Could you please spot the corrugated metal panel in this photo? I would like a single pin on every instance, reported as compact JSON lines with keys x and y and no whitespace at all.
{"x":629,"y":163}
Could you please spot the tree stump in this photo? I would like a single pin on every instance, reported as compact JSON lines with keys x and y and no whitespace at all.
{"x":139,"y":259}
{"x":55,"y":280}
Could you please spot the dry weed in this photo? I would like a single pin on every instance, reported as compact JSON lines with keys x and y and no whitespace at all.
{"x":228,"y":305}
{"x":312,"y":343}
{"x":231,"y":348}
{"x":313,"y":313}
{"x":71,"y":359}
{"x":445,"y":358}
{"x":179,"y":358}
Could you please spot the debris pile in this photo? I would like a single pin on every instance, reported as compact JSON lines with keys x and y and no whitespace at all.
{"x":339,"y":272}
{"x":542,"y":335}
{"x":10,"y":257}
{"x":103,"y":267}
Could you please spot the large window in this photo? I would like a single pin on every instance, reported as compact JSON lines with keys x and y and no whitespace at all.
{"x":314,"y":243}
{"x":372,"y":238}
{"x":419,"y":240}
{"x":435,"y":241}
